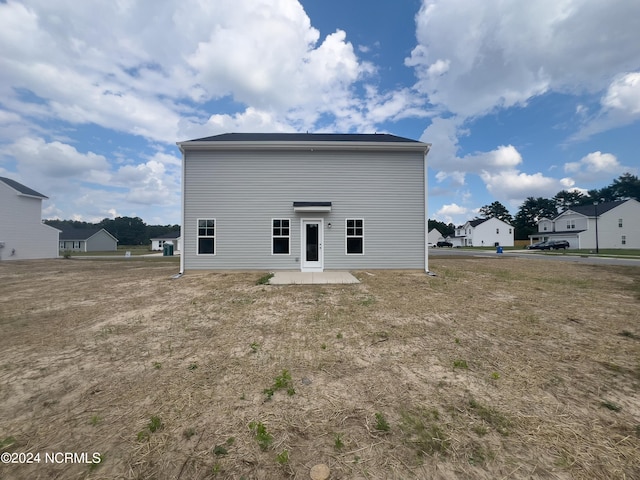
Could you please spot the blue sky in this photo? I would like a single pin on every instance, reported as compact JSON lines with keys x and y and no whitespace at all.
{"x":518,"y":98}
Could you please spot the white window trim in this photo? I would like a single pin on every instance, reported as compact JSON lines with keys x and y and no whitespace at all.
{"x":215,"y":237}
{"x":346,"y":237}
{"x":280,"y":236}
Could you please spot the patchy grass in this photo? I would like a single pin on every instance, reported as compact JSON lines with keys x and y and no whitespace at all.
{"x":493,"y":369}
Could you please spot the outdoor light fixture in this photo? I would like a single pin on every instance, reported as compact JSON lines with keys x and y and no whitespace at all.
{"x":329,"y":225}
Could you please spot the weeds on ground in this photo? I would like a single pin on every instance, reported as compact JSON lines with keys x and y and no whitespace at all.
{"x":264,"y":438}
{"x":423,"y":433}
{"x":264,"y":280}
{"x":283,"y":457}
{"x":338,"y":444}
{"x":381,"y":423}
{"x":490,"y":415}
{"x":155,"y":424}
{"x":610,"y":406}
{"x":460,"y":364}
{"x":281,"y":382}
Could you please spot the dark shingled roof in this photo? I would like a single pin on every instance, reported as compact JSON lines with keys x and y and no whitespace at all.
{"x":305,"y":137}
{"x":168,"y":236}
{"x":78,"y":233}
{"x":590,"y":210}
{"x":21,"y":188}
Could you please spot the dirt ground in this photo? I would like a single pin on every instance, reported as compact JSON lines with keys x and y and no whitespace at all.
{"x":494,"y":368}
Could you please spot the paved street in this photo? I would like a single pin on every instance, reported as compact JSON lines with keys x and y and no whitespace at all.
{"x":532,"y":255}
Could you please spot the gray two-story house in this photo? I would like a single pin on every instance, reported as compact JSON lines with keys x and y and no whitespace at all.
{"x":305,"y":202}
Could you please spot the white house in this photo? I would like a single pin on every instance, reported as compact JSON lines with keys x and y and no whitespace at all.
{"x":435,"y":236}
{"x":484,"y":232}
{"x":22,"y":233}
{"x":87,"y":240}
{"x":157,"y":243}
{"x":617,"y":225}
{"x":305,"y":202}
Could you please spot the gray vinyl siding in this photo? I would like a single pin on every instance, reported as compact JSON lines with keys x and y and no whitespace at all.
{"x":101,"y":242}
{"x":244,"y":191}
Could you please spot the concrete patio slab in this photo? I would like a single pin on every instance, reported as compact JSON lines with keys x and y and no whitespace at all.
{"x":311,"y":278}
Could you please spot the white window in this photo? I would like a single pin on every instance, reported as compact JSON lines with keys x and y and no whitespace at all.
{"x":76,"y":244}
{"x":624,"y":239}
{"x":510,"y":231}
{"x":280,"y":236}
{"x":207,"y":236}
{"x":497,"y":231}
{"x":61,"y":245}
{"x":355,"y":236}
{"x":571,"y":224}
{"x":620,"y":223}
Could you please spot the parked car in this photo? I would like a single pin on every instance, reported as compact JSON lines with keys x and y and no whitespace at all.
{"x":555,"y":245}
{"x":444,"y":244}
{"x":537,"y":246}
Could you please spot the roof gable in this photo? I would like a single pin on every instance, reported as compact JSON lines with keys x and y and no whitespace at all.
{"x":20,"y":188}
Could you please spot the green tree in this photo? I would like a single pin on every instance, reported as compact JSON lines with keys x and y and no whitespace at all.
{"x":445,"y":229}
{"x":600,"y":195}
{"x":128,"y":230}
{"x":532,"y":210}
{"x":565,"y":199}
{"x":626,"y":186}
{"x":496,"y":210}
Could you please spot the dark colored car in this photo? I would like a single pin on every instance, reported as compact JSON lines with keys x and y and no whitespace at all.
{"x":444,"y":244}
{"x":555,"y":245}
{"x":537,"y":246}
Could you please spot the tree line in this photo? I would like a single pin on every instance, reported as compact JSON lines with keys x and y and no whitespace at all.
{"x":128,"y":230}
{"x":525,"y":221}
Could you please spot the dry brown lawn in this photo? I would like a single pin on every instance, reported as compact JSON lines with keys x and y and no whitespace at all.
{"x":495,"y":368}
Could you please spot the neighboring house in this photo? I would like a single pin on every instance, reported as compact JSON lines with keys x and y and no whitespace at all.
{"x":87,"y":240}
{"x":617,"y":224}
{"x":484,"y":232}
{"x":157,"y":243}
{"x":22,"y":233}
{"x":305,"y":202}
{"x":435,"y":236}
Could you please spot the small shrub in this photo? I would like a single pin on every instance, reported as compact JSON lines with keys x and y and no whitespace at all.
{"x":338,"y":444}
{"x":281,"y":382}
{"x":220,"y":450}
{"x":283,"y":457}
{"x":264,"y":438}
{"x":460,"y":364}
{"x":264,"y":280}
{"x":155,"y":424}
{"x":381,"y":423}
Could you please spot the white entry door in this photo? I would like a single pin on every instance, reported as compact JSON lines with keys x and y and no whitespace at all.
{"x":312,"y":252}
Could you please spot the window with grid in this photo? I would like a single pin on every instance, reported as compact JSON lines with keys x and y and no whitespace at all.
{"x":280,"y":236}
{"x":355,"y":236}
{"x":207,"y":236}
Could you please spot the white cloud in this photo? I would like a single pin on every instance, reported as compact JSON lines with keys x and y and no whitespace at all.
{"x":595,"y":166}
{"x":263,"y":54}
{"x":513,"y":186}
{"x":624,"y":94}
{"x":500,"y":54}
{"x":55,"y":159}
